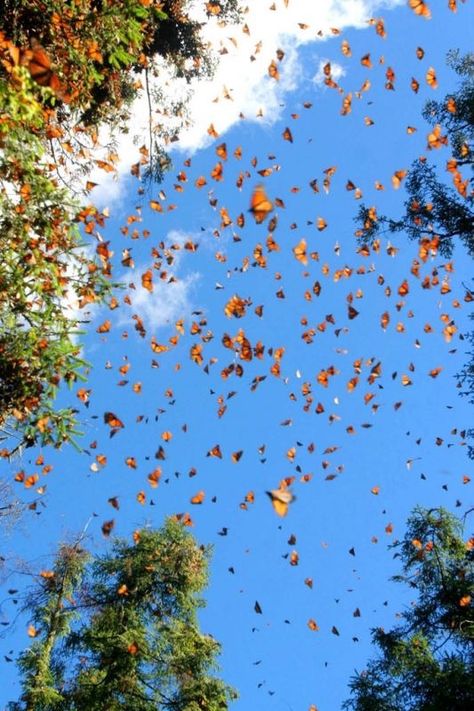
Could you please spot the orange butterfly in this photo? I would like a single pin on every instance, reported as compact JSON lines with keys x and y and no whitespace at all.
{"x":431,"y":78}
{"x":147,"y":280}
{"x":345,"y":48}
{"x":198,"y":498}
{"x":112,"y":420}
{"x":281,"y":498}
{"x":397,"y":178}
{"x":419,"y":7}
{"x":273,"y":70}
{"x":107,"y":527}
{"x":260,"y":205}
{"x":221,"y":151}
{"x":39,"y":65}
{"x":300,"y":252}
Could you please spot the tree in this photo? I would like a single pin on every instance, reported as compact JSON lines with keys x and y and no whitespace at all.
{"x":426,"y":663}
{"x":438,"y":214}
{"x":121,"y":632}
{"x":11,"y":508}
{"x":46,"y":277}
{"x":435,"y":212}
{"x":66,"y":69}
{"x":96,"y":56}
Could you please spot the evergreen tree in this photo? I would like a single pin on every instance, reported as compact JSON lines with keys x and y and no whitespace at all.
{"x":440,"y":202}
{"x":122,"y":632}
{"x":439,"y":210}
{"x":426,"y":663}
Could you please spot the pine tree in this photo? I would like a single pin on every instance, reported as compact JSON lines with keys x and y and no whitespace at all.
{"x":125,"y":633}
{"x":440,"y":198}
{"x":426,"y":663}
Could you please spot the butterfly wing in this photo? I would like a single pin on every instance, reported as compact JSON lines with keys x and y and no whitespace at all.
{"x":39,"y":65}
{"x":280,"y":499}
{"x":260,"y":205}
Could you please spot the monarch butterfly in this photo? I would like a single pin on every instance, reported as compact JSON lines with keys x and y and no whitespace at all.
{"x":404,"y":288}
{"x":397,"y":178}
{"x":352,"y":312}
{"x":345,"y":48}
{"x":112,"y":420}
{"x":213,"y":8}
{"x":38,"y":63}
{"x":431,"y":78}
{"x":221,"y":151}
{"x":300,"y":252}
{"x":280,"y":499}
{"x":273,"y":70}
{"x":107,"y":527}
{"x":215,"y":452}
{"x":198,"y":498}
{"x":346,"y":105}
{"x":419,"y":7}
{"x":260,"y":205}
{"x":147,"y":280}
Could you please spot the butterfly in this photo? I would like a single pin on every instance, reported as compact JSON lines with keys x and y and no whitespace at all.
{"x":112,"y":420}
{"x":420,"y":8}
{"x":38,"y":63}
{"x":198,"y":498}
{"x":260,"y":205}
{"x":300,"y":252}
{"x":147,"y":280}
{"x":280,"y":499}
{"x":107,"y":527}
{"x":431,"y":78}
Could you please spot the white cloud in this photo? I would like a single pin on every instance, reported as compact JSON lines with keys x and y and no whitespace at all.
{"x":337,"y":71}
{"x":167,"y":303}
{"x":242,"y":72}
{"x":169,"y":300}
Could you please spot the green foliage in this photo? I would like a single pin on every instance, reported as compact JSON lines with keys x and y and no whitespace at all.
{"x":44,"y":269}
{"x":433,"y":207}
{"x":88,"y":56}
{"x":52,"y":611}
{"x":426,"y":663}
{"x":136,"y":642}
{"x":436,"y":209}
{"x":97,"y":43}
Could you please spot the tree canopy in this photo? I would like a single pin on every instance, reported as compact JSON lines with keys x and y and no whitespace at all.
{"x":291,"y":390}
{"x":121,"y":631}
{"x":426,"y":662}
{"x":440,"y":208}
{"x":66,"y":69}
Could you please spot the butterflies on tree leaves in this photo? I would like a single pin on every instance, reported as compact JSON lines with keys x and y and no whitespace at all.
{"x":280,"y":498}
{"x":38,"y":62}
{"x":260,"y":205}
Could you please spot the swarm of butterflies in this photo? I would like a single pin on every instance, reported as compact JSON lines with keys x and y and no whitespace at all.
{"x":243,"y":350}
{"x":262,"y":207}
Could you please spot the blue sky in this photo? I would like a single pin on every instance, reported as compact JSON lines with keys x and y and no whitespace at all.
{"x":273,"y":658}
